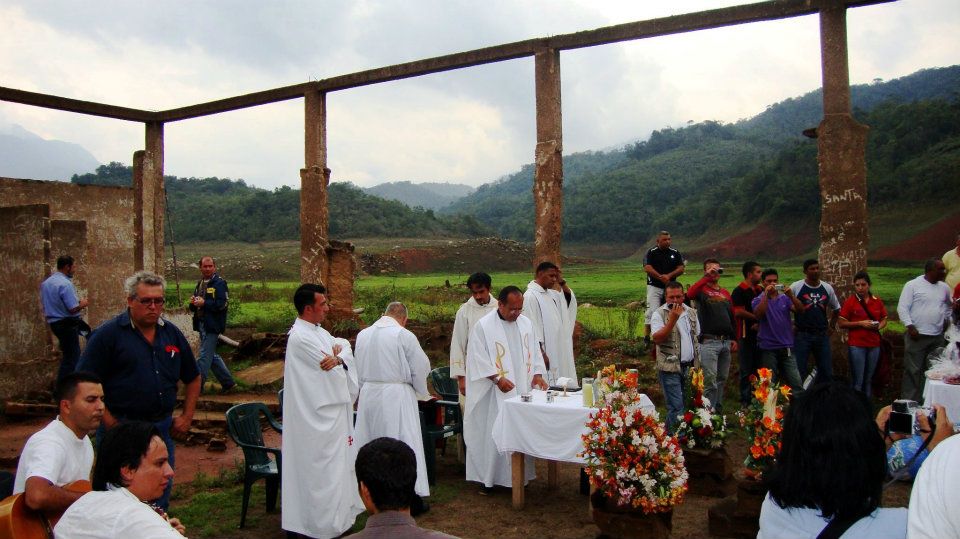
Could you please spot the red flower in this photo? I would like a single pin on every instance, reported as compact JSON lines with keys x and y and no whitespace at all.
{"x":688,"y":417}
{"x":172,"y":349}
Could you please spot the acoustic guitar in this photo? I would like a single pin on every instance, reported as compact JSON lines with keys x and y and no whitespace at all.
{"x":17,"y":521}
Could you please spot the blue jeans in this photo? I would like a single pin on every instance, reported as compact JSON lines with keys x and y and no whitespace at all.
{"x":715,"y":359}
{"x":210,"y":359}
{"x":863,"y":361}
{"x":819,"y":345}
{"x":163,"y":426}
{"x":674,"y":394}
{"x":784,"y":367}
{"x":749,"y":356}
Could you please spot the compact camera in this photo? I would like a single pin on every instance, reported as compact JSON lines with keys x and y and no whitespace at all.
{"x":904,"y":417}
{"x":778,"y":287}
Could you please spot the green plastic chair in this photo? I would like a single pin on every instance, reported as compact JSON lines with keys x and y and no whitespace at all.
{"x":243,"y":424}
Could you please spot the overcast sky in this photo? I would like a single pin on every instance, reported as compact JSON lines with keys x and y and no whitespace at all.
{"x":469,"y":126}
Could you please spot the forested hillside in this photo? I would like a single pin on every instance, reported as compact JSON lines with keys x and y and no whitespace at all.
{"x":429,"y":195}
{"x":714,"y":176}
{"x":211,"y":209}
{"x":692,"y":180}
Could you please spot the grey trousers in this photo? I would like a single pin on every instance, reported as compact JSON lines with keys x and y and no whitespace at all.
{"x":915,"y":363}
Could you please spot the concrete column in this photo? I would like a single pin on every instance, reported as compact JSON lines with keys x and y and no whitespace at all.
{"x":152,"y":199}
{"x":314,"y":179}
{"x":138,"y":232}
{"x":841,"y":144}
{"x":548,"y":179}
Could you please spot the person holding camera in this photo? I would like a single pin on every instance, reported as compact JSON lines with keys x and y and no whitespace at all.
{"x":828,"y":479}
{"x":911,"y":433}
{"x":717,"y":332}
{"x":675,"y":331}
{"x":775,"y":334}
{"x":864,"y":316}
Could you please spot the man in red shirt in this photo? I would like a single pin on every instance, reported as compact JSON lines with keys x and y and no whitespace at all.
{"x":717,"y":334}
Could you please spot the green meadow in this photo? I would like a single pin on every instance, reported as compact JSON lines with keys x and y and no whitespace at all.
{"x":603,"y":289}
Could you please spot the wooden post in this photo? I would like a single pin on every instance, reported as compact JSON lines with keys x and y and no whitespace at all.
{"x":548,"y":178}
{"x":553,"y":474}
{"x":518,"y":479}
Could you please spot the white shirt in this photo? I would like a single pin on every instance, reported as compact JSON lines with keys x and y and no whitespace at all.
{"x":467,"y":316}
{"x":924,"y":305}
{"x":112,"y":514}
{"x":553,"y":322}
{"x":55,"y":454}
{"x":804,"y":523}
{"x":933,"y":501}
{"x":683,"y":326}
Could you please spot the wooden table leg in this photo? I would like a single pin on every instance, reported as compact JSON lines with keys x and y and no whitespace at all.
{"x":519,"y":475}
{"x":553,"y":474}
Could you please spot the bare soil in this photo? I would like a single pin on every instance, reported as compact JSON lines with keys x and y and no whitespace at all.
{"x":458,"y":508}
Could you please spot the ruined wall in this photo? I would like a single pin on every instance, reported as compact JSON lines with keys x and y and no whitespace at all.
{"x":341,"y":267}
{"x":108,"y":212}
{"x":26,"y":345}
{"x":40,"y":221}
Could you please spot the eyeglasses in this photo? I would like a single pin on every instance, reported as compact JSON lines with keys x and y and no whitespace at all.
{"x":147,"y":301}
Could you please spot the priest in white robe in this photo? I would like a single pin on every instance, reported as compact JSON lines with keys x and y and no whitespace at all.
{"x":319,"y":484}
{"x":554,"y":315}
{"x":479,"y":305}
{"x":503,"y":360}
{"x":393,"y":369}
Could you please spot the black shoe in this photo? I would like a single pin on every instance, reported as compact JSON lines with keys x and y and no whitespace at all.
{"x":227,"y":389}
{"x":419,"y":506}
{"x":485,"y":490}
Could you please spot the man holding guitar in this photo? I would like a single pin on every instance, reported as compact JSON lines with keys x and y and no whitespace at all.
{"x":61,"y":453}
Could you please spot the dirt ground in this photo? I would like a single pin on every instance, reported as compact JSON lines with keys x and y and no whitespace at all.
{"x":457,"y":506}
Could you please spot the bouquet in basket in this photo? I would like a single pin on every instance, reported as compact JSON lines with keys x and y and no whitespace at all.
{"x":700,"y":425}
{"x":631,"y":460}
{"x":763,"y":420}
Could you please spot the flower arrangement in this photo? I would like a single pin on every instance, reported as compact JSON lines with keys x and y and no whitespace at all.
{"x":700,"y":425}
{"x":763,"y":420}
{"x":631,"y":460}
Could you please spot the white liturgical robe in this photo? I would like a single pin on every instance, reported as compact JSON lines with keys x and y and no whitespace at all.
{"x":393,"y":369}
{"x":467,"y":316}
{"x":319,"y":484}
{"x":509,"y":349}
{"x":553,"y":320}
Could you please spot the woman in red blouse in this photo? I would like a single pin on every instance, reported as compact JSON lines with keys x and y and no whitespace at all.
{"x":865,"y":316}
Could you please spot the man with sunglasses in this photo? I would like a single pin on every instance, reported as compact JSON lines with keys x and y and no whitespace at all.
{"x":141,"y":357}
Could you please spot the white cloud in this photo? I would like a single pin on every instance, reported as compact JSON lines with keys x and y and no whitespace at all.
{"x":468,"y":126}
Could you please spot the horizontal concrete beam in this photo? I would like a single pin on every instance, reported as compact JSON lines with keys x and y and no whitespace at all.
{"x":74,"y":105}
{"x":689,"y":22}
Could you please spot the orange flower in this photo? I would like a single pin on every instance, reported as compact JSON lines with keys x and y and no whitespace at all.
{"x":770,"y":450}
{"x":756,"y":451}
{"x":785,"y":391}
{"x":765,"y":374}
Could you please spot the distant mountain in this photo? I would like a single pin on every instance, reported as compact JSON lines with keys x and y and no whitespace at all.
{"x":26,"y":155}
{"x":710,"y":177}
{"x":431,"y":195}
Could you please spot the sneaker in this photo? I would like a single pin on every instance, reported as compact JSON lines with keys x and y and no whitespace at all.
{"x":227,"y":389}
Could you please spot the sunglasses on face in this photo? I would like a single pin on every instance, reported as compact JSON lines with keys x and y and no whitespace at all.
{"x":148,"y":301}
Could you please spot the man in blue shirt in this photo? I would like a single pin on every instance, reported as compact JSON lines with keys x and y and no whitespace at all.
{"x":141,"y":357}
{"x":62,"y":307}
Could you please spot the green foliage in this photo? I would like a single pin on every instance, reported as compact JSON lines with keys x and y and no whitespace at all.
{"x":711,"y":175}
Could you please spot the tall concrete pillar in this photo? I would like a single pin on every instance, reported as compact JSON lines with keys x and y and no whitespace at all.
{"x":548,"y":179}
{"x":841,"y":144}
{"x":150,"y":201}
{"x":314,"y":179}
{"x":138,"y":213}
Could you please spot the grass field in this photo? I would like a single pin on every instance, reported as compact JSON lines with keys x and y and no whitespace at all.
{"x":607,"y":286}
